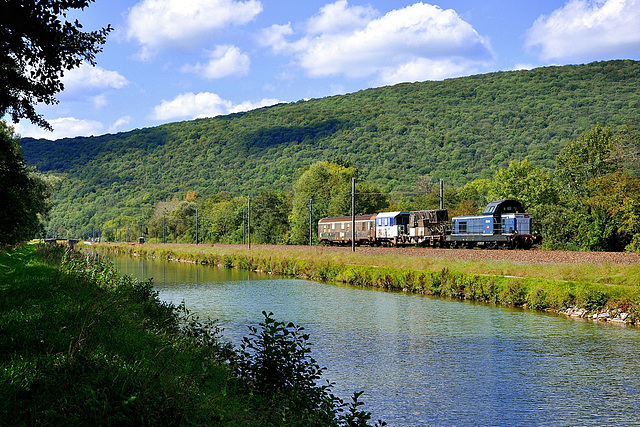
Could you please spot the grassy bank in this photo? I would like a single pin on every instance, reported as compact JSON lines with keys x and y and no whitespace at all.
{"x":82,"y":345}
{"x":585,"y":288}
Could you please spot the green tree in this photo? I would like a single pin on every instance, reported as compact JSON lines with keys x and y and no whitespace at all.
{"x":317,"y":184}
{"x":616,"y":197}
{"x":329,"y":187}
{"x":529,"y":184}
{"x":36,"y":48}
{"x":270,"y":217}
{"x":225,"y":218}
{"x":25,"y":194}
{"x":592,"y":155}
{"x":585,"y":167}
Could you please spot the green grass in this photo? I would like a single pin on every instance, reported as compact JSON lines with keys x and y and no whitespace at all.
{"x":81,"y":344}
{"x":77,"y":351}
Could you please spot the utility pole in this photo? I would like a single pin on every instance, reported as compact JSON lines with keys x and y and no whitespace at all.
{"x":441,"y":193}
{"x":164,"y":229}
{"x":353,"y":214}
{"x":196,"y":226}
{"x":249,"y":223}
{"x":310,"y":222}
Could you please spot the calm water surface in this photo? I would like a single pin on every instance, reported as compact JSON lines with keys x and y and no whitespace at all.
{"x":424,"y":361}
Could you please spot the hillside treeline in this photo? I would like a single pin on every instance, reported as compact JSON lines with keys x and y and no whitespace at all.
{"x":400,"y":138}
{"x":590,"y":201}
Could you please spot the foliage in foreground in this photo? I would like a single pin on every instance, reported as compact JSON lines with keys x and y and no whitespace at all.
{"x":83,"y":345}
{"x":25,"y":194}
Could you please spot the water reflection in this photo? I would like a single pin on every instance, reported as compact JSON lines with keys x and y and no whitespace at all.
{"x":426,"y":361}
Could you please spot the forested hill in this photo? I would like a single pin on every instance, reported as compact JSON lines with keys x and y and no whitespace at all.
{"x":457,"y":129}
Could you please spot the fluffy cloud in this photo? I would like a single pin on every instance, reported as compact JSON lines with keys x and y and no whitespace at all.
{"x":224,"y":61}
{"x":401,"y":45}
{"x":203,"y":104}
{"x":158,"y":23}
{"x":87,"y":80}
{"x":64,"y":127}
{"x":337,"y":17}
{"x":584,"y":30}
{"x":424,"y":69}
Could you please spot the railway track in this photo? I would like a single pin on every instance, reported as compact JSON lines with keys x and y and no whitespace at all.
{"x":514,"y":256}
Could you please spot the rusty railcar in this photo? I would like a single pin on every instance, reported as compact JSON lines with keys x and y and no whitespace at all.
{"x":337,"y":230}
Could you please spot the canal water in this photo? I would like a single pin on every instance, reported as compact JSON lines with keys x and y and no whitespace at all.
{"x":424,"y":361}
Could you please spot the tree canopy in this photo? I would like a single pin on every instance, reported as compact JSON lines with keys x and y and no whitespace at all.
{"x":25,"y":194}
{"x":401,"y":138}
{"x":37,"y":45}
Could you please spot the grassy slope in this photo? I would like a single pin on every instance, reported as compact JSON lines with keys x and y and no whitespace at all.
{"x":75,"y":352}
{"x":627,"y":275}
{"x":82,"y":345}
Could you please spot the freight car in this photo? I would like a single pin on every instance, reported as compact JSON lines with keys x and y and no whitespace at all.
{"x":503,"y":224}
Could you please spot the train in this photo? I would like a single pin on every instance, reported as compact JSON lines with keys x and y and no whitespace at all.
{"x":503,"y":224}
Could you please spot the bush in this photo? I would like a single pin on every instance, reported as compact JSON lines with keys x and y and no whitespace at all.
{"x":274,"y":362}
{"x":595,"y":300}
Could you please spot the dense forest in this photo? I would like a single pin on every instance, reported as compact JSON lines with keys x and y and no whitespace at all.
{"x":396,"y":139}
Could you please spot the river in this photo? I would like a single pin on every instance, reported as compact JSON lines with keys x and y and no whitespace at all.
{"x":426,"y":361}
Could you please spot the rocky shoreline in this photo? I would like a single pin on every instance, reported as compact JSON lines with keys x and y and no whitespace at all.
{"x":613,"y":316}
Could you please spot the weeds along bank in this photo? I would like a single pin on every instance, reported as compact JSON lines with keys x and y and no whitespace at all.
{"x":577,"y":298}
{"x":81,"y":344}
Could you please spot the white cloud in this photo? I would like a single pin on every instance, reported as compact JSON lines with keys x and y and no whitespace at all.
{"x":275,"y":37}
{"x":586,"y":30}
{"x":250,"y":105}
{"x":190,"y":105}
{"x":99,"y":101}
{"x":225,"y":61}
{"x":88,"y":83}
{"x":159,"y":23}
{"x":118,"y":124}
{"x":64,"y":127}
{"x":337,"y":17}
{"x":424,"y":69}
{"x":523,"y":66}
{"x":402,"y":43}
{"x":203,"y":104}
{"x":87,"y":78}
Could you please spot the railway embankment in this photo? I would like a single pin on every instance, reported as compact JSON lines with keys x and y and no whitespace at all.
{"x":595,"y":286}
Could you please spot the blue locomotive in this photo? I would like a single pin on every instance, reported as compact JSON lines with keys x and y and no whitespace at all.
{"x":503,"y":224}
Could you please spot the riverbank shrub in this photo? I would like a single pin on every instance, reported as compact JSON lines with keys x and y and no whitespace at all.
{"x":595,"y":300}
{"x":275,"y":365}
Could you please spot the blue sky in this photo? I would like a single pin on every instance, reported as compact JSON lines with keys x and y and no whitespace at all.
{"x":174,"y":60}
